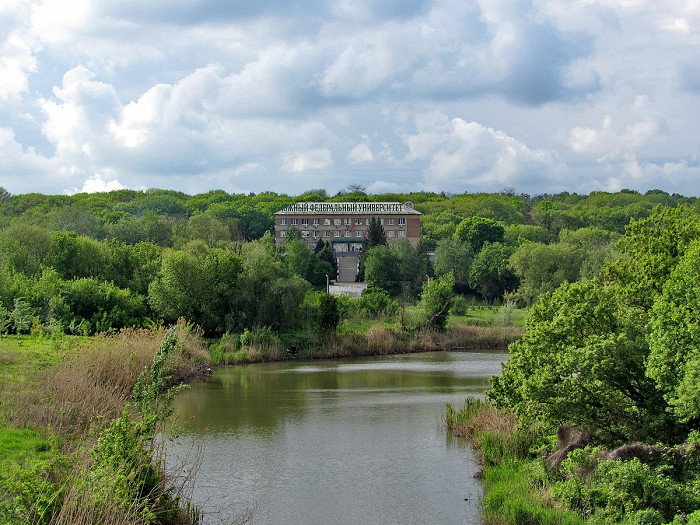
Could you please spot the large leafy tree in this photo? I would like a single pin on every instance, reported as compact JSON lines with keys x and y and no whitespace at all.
{"x":490,"y":275}
{"x":375,"y":236}
{"x":436,"y":300}
{"x":197,"y":283}
{"x":381,"y":269}
{"x":479,"y":230}
{"x":456,"y":256}
{"x":649,"y":250}
{"x":582,"y":362}
{"x":674,"y":359}
{"x":618,"y":357}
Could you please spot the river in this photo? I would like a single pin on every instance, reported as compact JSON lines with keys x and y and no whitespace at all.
{"x":333,"y":442}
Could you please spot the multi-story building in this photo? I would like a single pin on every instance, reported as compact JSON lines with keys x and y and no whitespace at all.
{"x":344,"y":224}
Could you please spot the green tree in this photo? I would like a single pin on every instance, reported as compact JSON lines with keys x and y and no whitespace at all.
{"x":582,"y":362}
{"x":327,"y":254}
{"x":5,"y":320}
{"x":199,"y":284}
{"x":649,"y":250}
{"x":436,"y":300}
{"x":74,"y":256}
{"x":412,"y":267}
{"x":478,"y":230}
{"x":453,"y":255}
{"x":490,"y":274}
{"x":23,"y":247}
{"x":253,"y":222}
{"x":381,"y":269}
{"x":375,"y":236}
{"x":542,"y":268}
{"x":328,"y":314}
{"x":208,"y":228}
{"x":5,"y":196}
{"x":22,"y":315}
{"x":674,"y":358}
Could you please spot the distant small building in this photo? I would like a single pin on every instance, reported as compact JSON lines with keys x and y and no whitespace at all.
{"x":344,"y":224}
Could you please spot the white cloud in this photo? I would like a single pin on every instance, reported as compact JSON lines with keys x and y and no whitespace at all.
{"x":308,"y":160}
{"x":96,"y":184}
{"x":59,"y":20}
{"x":16,"y":63}
{"x":466,"y":156}
{"x":361,"y":153}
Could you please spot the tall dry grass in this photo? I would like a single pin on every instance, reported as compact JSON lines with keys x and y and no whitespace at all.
{"x":93,"y":381}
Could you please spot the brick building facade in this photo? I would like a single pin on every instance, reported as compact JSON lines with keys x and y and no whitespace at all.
{"x":344,"y":224}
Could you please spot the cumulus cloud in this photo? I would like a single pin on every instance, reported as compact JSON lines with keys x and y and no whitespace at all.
{"x":96,"y":184}
{"x":466,"y":156}
{"x":308,"y":160}
{"x":361,"y":153}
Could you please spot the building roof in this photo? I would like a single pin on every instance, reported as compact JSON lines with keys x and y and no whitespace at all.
{"x":349,"y":208}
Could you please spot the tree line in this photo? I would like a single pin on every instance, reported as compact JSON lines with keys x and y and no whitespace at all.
{"x":94,"y":262}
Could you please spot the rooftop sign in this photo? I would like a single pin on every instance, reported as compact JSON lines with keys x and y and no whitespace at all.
{"x":349,"y":207}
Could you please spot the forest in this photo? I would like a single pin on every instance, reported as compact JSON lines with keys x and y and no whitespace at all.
{"x":91,"y":263}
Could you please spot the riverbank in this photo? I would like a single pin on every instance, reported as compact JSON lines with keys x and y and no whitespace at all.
{"x":477,"y":332}
{"x":78,"y":418}
{"x":533,"y":476}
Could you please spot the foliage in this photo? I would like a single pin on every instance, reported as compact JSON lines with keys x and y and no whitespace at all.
{"x":479,"y":230}
{"x":376,"y":302}
{"x":630,"y":491}
{"x":582,"y":362}
{"x":436,"y":300}
{"x":328,"y":315}
{"x":674,"y":357}
{"x":21,"y":316}
{"x":542,"y":268}
{"x":456,"y":256}
{"x":649,"y":250}
{"x":490,"y":275}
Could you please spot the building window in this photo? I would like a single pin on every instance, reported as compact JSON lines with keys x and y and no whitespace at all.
{"x":326,"y":222}
{"x":358,"y":222}
{"x":390,"y":221}
{"x":402,"y":221}
{"x":348,"y":222}
{"x":336,"y":222}
{"x":381,"y":221}
{"x":283,"y":233}
{"x":348,"y":233}
{"x":305,"y":222}
{"x":391,"y":233}
{"x":316,"y":222}
{"x":304,"y":233}
{"x":368,"y":221}
{"x":283,"y":222}
{"x":358,"y":233}
{"x":326,"y":233}
{"x":295,"y":222}
{"x":402,"y":233}
{"x":316,"y":234}
{"x":336,"y":233}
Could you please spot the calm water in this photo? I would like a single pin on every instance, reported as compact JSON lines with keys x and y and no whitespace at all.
{"x":335,"y":442}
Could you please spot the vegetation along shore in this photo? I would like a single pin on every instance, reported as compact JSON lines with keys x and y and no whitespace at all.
{"x":595,"y":417}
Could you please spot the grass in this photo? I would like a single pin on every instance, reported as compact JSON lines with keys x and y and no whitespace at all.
{"x":362,"y":337}
{"x":515,"y":488}
{"x":59,"y":401}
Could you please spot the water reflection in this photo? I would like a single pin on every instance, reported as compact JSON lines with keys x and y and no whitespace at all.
{"x":346,"y":441}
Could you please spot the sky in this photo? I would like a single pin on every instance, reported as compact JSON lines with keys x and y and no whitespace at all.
{"x":393,"y":95}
